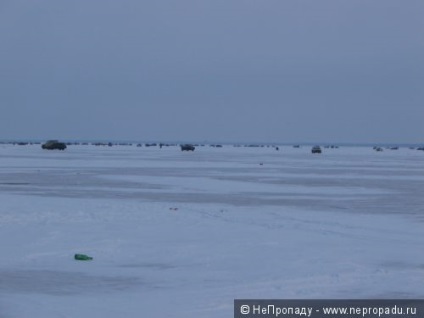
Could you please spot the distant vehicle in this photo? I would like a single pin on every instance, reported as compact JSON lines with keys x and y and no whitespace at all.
{"x":316,"y":149}
{"x":379,"y":149}
{"x":53,"y":144}
{"x":187,"y":147}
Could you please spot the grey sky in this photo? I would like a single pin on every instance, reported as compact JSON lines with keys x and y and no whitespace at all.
{"x":245,"y":70}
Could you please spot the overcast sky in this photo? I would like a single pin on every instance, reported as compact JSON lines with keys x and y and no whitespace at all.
{"x":216,"y":70}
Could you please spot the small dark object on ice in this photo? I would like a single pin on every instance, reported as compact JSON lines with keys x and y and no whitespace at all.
{"x":316,"y":149}
{"x":83,"y":257}
{"x":187,"y":147}
{"x":53,"y":144}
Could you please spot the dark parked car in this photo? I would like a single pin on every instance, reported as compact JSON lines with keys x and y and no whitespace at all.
{"x":53,"y":144}
{"x":187,"y":147}
{"x":316,"y":149}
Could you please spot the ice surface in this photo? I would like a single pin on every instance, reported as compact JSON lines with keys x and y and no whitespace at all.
{"x":183,"y":234}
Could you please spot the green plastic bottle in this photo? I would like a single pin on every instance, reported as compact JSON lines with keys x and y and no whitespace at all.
{"x":82,"y":257}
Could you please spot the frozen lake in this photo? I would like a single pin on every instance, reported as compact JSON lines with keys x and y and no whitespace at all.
{"x":183,"y":234}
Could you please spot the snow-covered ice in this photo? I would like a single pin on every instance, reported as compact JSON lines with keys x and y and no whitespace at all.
{"x":184,"y":234}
